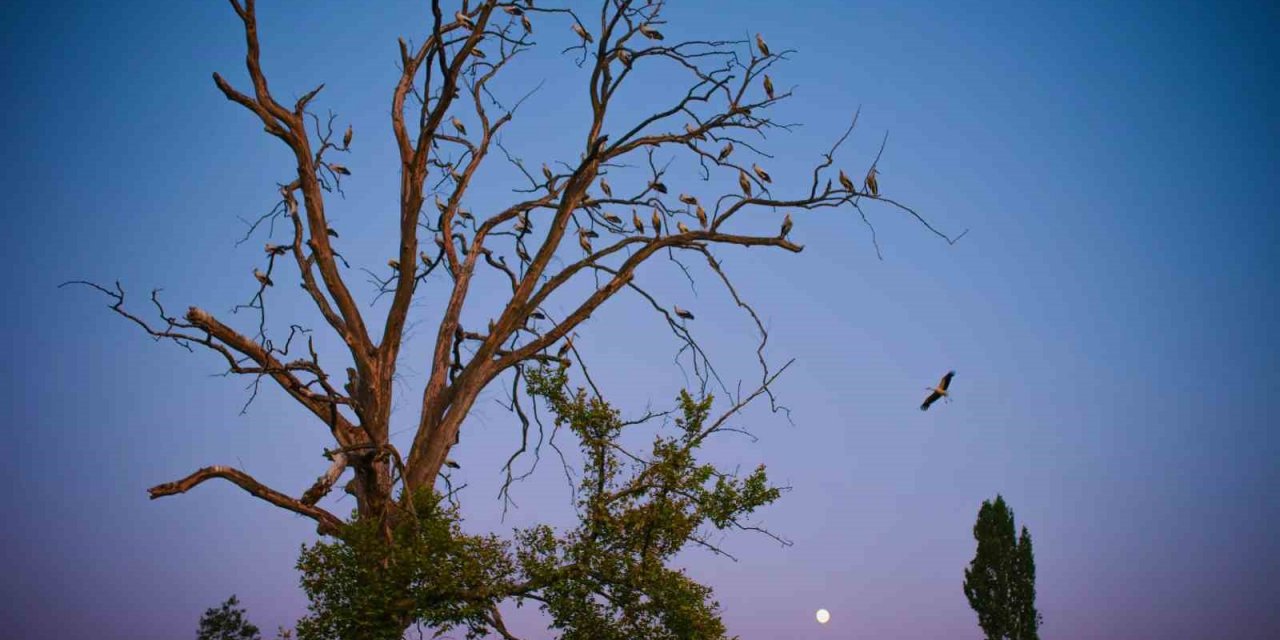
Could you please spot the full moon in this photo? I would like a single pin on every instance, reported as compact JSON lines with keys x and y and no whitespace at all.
{"x":823,"y":616}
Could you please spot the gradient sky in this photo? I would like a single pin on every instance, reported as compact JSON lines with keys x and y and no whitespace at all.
{"x":1111,"y":313}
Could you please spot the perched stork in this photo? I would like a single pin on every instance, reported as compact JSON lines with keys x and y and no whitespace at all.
{"x":702,"y":216}
{"x":625,"y":57}
{"x":724,"y":153}
{"x":451,"y":464}
{"x":873,"y":187}
{"x":604,"y":186}
{"x":744,"y":183}
{"x":786,"y":225}
{"x":464,"y":20}
{"x":764,"y":175}
{"x":339,"y":169}
{"x":457,"y":124}
{"x":611,"y":218}
{"x":330,"y":232}
{"x":688,"y":199}
{"x":657,"y":222}
{"x":346,"y":138}
{"x":683,"y":313}
{"x":846,"y":182}
{"x":440,"y":205}
{"x":650,"y":33}
{"x":693,"y":132}
{"x":768,"y":86}
{"x":635,"y":219}
{"x":680,"y":226}
{"x":394,"y":264}
{"x":263,"y":279}
{"x":276,"y":249}
{"x":657,"y":185}
{"x":546,"y":173}
{"x":513,"y":10}
{"x":522,"y":254}
{"x":577,"y":28}
{"x":584,"y":242}
{"x":939,"y":391}
{"x":524,"y":22}
{"x":764,"y":48}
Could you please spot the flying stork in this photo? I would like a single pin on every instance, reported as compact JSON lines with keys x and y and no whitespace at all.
{"x":939,"y":391}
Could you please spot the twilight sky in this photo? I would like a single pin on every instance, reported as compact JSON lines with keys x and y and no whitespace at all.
{"x":1111,"y":313}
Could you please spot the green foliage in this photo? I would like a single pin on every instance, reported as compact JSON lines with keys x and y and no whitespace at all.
{"x":374,"y":583}
{"x":226,"y":622}
{"x":606,"y":578}
{"x":1000,"y":581}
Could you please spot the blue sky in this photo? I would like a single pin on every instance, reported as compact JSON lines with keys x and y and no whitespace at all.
{"x":1110,"y":314}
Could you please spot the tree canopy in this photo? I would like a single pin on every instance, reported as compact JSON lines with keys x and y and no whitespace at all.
{"x":1000,"y":582}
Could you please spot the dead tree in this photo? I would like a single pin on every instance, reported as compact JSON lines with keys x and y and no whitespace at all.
{"x":567,"y":222}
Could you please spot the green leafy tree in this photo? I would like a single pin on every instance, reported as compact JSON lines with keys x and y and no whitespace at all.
{"x":1000,"y":582}
{"x":605,"y":579}
{"x":227,"y":622}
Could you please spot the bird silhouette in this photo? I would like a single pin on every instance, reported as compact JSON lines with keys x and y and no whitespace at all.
{"x":761,"y":172}
{"x":846,"y":182}
{"x":263,"y":279}
{"x":760,"y":43}
{"x":939,"y":391}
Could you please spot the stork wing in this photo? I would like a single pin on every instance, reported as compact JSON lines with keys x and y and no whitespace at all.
{"x":930,"y":400}
{"x":946,"y":380}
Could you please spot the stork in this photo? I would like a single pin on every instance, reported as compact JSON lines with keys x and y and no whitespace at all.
{"x":657,"y":222}
{"x":346,"y":138}
{"x":464,"y":20}
{"x":702,"y":216}
{"x":635,"y":219}
{"x":650,"y":33}
{"x":625,"y":57}
{"x":786,"y":225}
{"x":611,"y":218}
{"x":658,"y":186}
{"x":724,"y":153}
{"x":764,"y":175}
{"x":394,"y":264}
{"x":768,"y":86}
{"x":546,"y":173}
{"x":577,"y":28}
{"x":939,"y":391}
{"x":683,"y":313}
{"x":457,"y":124}
{"x":688,"y":199}
{"x":744,"y":183}
{"x":263,"y":279}
{"x":524,"y":22}
{"x":846,"y":182}
{"x":680,"y":226}
{"x":339,"y":169}
{"x":584,"y":242}
{"x":764,"y":48}
{"x":873,"y":187}
{"x":276,"y":249}
{"x":604,"y":186}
